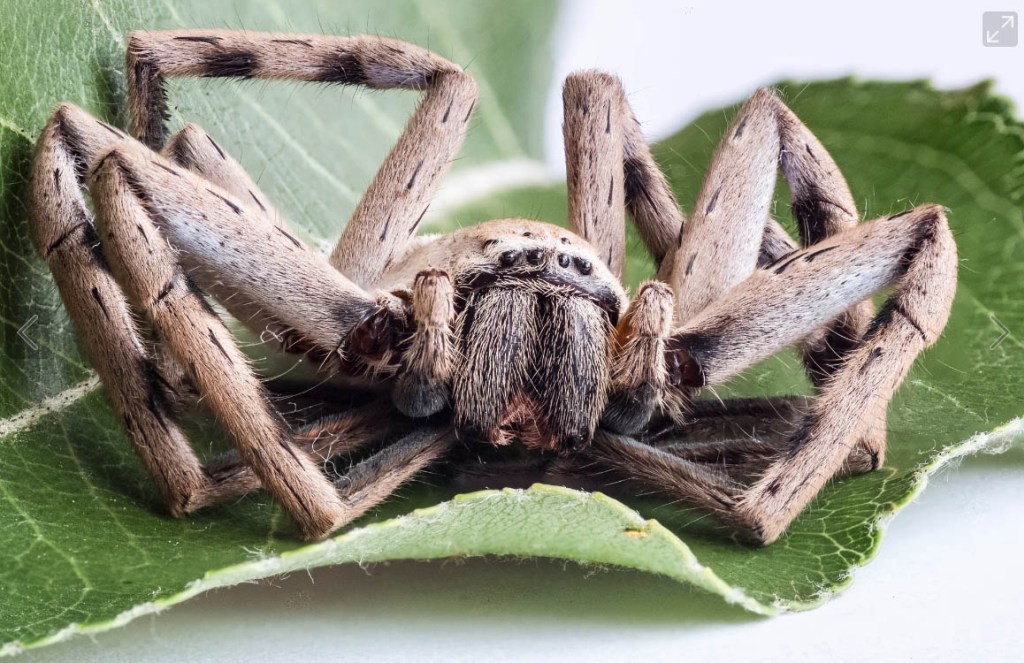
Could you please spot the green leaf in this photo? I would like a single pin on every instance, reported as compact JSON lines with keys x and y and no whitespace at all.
{"x":84,"y":544}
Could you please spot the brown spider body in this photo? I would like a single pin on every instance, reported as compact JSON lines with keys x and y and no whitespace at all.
{"x":509,"y":330}
{"x":535,"y":313}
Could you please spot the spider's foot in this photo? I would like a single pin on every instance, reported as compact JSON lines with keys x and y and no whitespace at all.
{"x":629,"y":411}
{"x":417,"y":396}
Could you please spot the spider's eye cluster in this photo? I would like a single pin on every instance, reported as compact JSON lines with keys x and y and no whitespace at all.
{"x":508,"y":258}
{"x":537,"y":256}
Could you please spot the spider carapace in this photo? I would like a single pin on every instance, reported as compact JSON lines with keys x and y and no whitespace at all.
{"x":508,"y":330}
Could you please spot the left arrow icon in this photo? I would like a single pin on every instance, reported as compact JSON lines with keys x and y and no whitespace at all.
{"x":24,"y":328}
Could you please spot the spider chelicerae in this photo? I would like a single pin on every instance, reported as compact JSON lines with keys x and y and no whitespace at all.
{"x":508,"y":331}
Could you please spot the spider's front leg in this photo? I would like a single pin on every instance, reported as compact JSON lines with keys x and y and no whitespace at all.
{"x":384,"y":222}
{"x":64,"y":234}
{"x":726,"y":248}
{"x":257,"y":259}
{"x":723,"y":242}
{"x":600,"y":141}
{"x":227,"y":236}
{"x":611,"y":170}
{"x":397,"y":199}
{"x":143,"y":200}
{"x":726,"y":240}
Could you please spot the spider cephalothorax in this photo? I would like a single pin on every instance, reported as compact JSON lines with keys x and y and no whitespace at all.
{"x":511,"y":330}
{"x":533,"y":313}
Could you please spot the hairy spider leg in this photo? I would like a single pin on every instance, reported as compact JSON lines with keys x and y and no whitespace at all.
{"x":127,"y":207}
{"x":592,"y":127}
{"x":737,"y":193}
{"x":600,"y":130}
{"x":776,"y":306}
{"x":392,"y":207}
{"x":64,"y":235}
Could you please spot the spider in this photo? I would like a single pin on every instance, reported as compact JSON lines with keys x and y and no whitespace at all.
{"x":510,"y":330}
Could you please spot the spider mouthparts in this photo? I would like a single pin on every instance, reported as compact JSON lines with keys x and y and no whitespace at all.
{"x":524,"y":421}
{"x":573,"y":444}
{"x":683,"y":368}
{"x":373,"y":336}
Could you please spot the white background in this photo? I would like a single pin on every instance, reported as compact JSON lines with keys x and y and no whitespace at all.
{"x":947,"y":584}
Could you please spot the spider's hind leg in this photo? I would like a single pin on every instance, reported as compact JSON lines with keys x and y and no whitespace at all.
{"x":156,"y":285}
{"x":775,"y":307}
{"x":654,"y":469}
{"x":600,"y":147}
{"x":64,"y":235}
{"x":331,"y":440}
{"x":742,"y":436}
{"x":373,"y":480}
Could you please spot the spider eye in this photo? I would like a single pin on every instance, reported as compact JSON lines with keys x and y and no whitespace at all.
{"x":584,"y":266}
{"x":563,"y":260}
{"x":508,"y":258}
{"x":535,"y":256}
